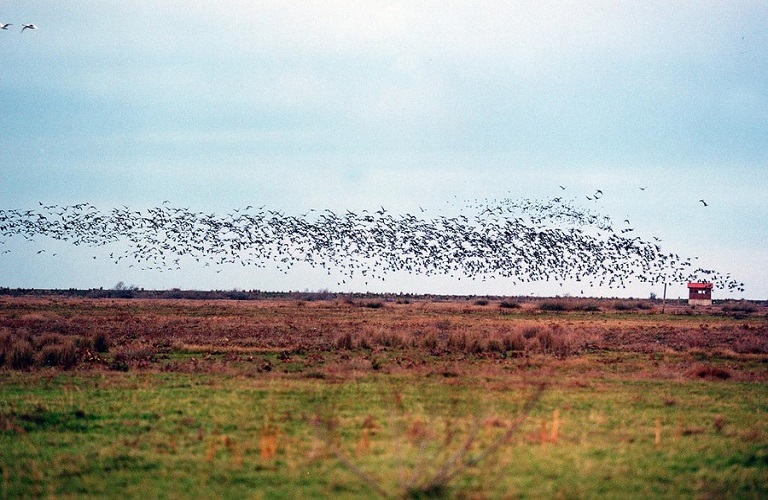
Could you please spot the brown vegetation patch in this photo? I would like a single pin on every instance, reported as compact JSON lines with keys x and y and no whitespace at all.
{"x":125,"y":334}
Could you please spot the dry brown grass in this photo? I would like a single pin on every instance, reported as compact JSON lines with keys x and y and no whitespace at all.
{"x":345,"y":336}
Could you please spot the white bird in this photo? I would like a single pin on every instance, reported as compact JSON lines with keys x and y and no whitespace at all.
{"x":30,"y":26}
{"x":4,"y":26}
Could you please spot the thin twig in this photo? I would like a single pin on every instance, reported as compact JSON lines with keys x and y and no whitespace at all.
{"x":342,"y":457}
{"x":455,"y":461}
{"x":368,"y":479}
{"x":452,"y":467}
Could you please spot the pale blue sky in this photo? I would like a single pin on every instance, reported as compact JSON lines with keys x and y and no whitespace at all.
{"x":357,"y":104}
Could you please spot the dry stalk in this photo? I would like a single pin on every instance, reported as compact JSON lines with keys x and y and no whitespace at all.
{"x":418,"y":435}
{"x":555,"y":426}
{"x":451,"y":467}
{"x":363,"y":444}
{"x":454,"y":466}
{"x":268,"y":442}
{"x":234,"y":451}
{"x":679,"y":428}
{"x":324,"y":429}
{"x":210,"y":452}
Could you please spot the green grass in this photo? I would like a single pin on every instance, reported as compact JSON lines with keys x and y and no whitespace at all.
{"x":151,"y":434}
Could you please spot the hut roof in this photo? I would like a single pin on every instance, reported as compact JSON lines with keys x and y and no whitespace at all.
{"x":700,"y":286}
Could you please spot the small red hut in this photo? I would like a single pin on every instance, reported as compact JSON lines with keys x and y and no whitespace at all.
{"x":700,"y":294}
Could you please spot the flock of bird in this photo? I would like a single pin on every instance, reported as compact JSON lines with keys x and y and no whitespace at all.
{"x":515,"y":239}
{"x":519,"y":240}
{"x":4,"y":26}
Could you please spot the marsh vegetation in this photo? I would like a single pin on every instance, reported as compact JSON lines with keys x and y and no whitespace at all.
{"x":371,"y":396}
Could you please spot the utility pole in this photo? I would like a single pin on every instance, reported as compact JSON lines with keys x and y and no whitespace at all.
{"x":664,"y":299}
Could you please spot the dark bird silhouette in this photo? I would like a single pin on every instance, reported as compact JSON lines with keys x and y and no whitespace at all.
{"x":704,"y":203}
{"x":28,"y":27}
{"x":4,"y":26}
{"x":520,"y":240}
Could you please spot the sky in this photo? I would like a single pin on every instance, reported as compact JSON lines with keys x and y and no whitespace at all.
{"x":362,"y":104}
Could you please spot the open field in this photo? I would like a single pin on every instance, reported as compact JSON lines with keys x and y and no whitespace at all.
{"x":351,"y":397}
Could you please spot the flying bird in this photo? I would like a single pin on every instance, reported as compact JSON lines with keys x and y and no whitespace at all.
{"x":538,"y":241}
{"x":28,"y":26}
{"x":4,"y":26}
{"x":704,"y":202}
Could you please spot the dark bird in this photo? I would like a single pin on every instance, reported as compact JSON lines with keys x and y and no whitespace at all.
{"x":704,"y":202}
{"x":28,"y":26}
{"x":643,"y":188}
{"x":520,"y":240}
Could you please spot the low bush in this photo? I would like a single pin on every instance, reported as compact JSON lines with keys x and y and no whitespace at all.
{"x":474,"y":345}
{"x":388,"y":339}
{"x":101,"y":342}
{"x":709,"y":372}
{"x":749,"y":343}
{"x":562,"y":345}
{"x":553,"y":305}
{"x":622,"y":305}
{"x":513,"y":342}
{"x":588,"y":307}
{"x":62,"y":354}
{"x":5,"y":344}
{"x":430,"y":341}
{"x":20,"y":355}
{"x":531,"y":331}
{"x":457,"y":342}
{"x":740,"y":307}
{"x":495,"y":344}
{"x":48,"y":339}
{"x":345,"y":342}
{"x":631,"y":305}
{"x":546,"y":341}
{"x":127,"y":356}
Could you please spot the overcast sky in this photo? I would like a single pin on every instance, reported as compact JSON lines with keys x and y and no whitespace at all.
{"x":356,"y":104}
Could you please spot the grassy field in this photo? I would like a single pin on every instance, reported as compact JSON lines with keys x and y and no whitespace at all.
{"x":381,"y":397}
